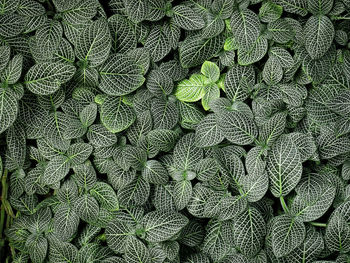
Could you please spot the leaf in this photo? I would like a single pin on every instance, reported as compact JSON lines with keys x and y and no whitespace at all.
{"x":182,"y":193}
{"x":190,"y":90}
{"x":187,"y":18}
{"x":249,"y":231}
{"x":165,"y":114}
{"x":186,"y":154}
{"x":287,"y":234}
{"x":118,"y":235}
{"x":88,"y":115}
{"x":270,"y":12}
{"x":208,"y":133}
{"x":105,"y":195}
{"x":155,"y":173}
{"x":337,"y":235}
{"x":46,"y":78}
{"x":79,"y":152}
{"x":37,"y":246}
{"x":272,"y":72}
{"x":319,"y":33}
{"x":160,"y":226}
{"x":159,"y":83}
{"x":11,"y":25}
{"x":12,"y":73}
{"x":211,"y":71}
{"x":245,"y":26}
{"x":192,"y":234}
{"x":94,"y":43}
{"x":86,"y":208}
{"x":283,"y":56}
{"x":254,"y":53}
{"x":62,"y":252}
{"x":8,"y":108}
{"x":137,"y":252}
{"x":238,"y":81}
{"x":238,"y":128}
{"x":134,"y":193}
{"x":320,"y":7}
{"x":65,"y":222}
{"x":157,"y":43}
{"x":115,"y":115}
{"x":49,"y":36}
{"x":81,"y":12}
{"x":293,"y":6}
{"x":272,"y":129}
{"x":314,"y":197}
{"x":280,"y":30}
{"x":120,"y":75}
{"x":195,"y":50}
{"x":283,"y":166}
{"x":99,"y":136}
{"x":340,"y":104}
{"x":56,"y":170}
{"x":255,"y":185}
{"x":136,"y":10}
{"x":162,"y":139}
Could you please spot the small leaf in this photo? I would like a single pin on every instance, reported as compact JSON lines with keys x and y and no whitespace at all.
{"x":211,"y":71}
{"x":186,"y":18}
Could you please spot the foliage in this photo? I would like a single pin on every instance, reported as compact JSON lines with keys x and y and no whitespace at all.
{"x":168,"y":131}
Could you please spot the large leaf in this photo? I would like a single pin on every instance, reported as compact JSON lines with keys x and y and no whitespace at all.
{"x":120,"y":75}
{"x":160,"y":226}
{"x":208,"y":133}
{"x":319,"y":33}
{"x":105,"y":195}
{"x":284,"y":166}
{"x":46,"y":78}
{"x":337,"y":235}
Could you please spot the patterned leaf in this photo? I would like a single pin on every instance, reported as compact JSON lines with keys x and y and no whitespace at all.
{"x":115,"y":115}
{"x":56,"y":170}
{"x":319,"y":33}
{"x":94,"y":43}
{"x":105,"y":195}
{"x":337,"y":235}
{"x":207,"y":132}
{"x":86,"y":208}
{"x":287,"y":234}
{"x":120,"y":75}
{"x":160,"y":226}
{"x":186,"y":18}
{"x":157,"y":43}
{"x":283,"y":166}
{"x":46,"y":78}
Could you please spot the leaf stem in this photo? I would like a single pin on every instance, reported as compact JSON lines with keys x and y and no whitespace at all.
{"x":284,"y":205}
{"x":318,"y":224}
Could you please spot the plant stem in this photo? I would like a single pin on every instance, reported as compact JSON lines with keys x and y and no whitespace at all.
{"x":318,"y":224}
{"x":284,"y":205}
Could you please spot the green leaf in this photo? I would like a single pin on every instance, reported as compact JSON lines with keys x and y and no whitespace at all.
{"x":136,"y":10}
{"x":255,"y":185}
{"x":8,"y":108}
{"x":208,"y":133}
{"x":186,"y":154}
{"x":321,"y":7}
{"x":99,"y":136}
{"x":284,"y":166}
{"x":137,"y":252}
{"x":83,"y":11}
{"x":190,"y":90}
{"x":13,"y":71}
{"x":157,"y":43}
{"x":79,"y":152}
{"x":270,"y":12}
{"x":159,"y":83}
{"x":287,"y":234}
{"x":11,"y":25}
{"x":293,"y":6}
{"x":283,"y":56}
{"x":238,"y":82}
{"x":211,"y":71}
{"x":94,"y":43}
{"x":238,"y":127}
{"x":272,"y":72}
{"x":195,"y":50}
{"x":155,"y":173}
{"x":162,"y":139}
{"x":66,"y":222}
{"x":280,"y":31}
{"x":337,"y":235}
{"x":134,"y":193}
{"x":46,"y":78}
{"x":192,"y":234}
{"x":212,"y":92}
{"x":245,"y":26}
{"x":86,"y":208}
{"x":319,"y":33}
{"x":105,"y":195}
{"x":187,"y":18}
{"x":314,"y":197}
{"x":120,"y":75}
{"x":182,"y":193}
{"x":160,"y":226}
{"x":118,"y":235}
{"x":37,"y":246}
{"x":272,"y":129}
{"x":249,"y":231}
{"x":253,"y":53}
{"x":164,"y":113}
{"x":115,"y":115}
{"x":48,"y":37}
{"x":62,"y":252}
{"x":88,"y":114}
{"x":56,"y":170}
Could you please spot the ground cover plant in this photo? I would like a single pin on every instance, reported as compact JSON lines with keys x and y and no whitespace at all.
{"x":198,"y":131}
